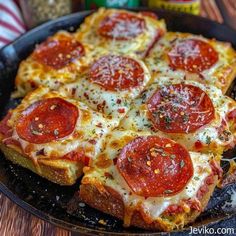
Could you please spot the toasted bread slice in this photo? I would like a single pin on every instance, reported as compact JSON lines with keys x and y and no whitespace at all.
{"x":135,"y":188}
{"x":54,"y":62}
{"x":63,"y":172}
{"x":111,"y":203}
{"x":121,"y":31}
{"x":214,"y":136}
{"x":186,"y":47}
{"x":52,"y":135}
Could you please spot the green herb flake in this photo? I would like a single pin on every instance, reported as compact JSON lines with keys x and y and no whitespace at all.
{"x":168,"y":191}
{"x":182,"y":163}
{"x":147,"y":125}
{"x":208,"y":140}
{"x":35,"y":132}
{"x":185,"y":118}
{"x":93,"y":131}
{"x":126,"y":103}
{"x":167,"y":120}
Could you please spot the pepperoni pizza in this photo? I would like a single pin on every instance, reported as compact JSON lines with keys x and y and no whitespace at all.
{"x":193,"y":57}
{"x":148,"y":181}
{"x":53,"y":135}
{"x":54,"y":62}
{"x":110,"y":84}
{"x":188,"y":112}
{"x":139,"y":112}
{"x":122,"y":31}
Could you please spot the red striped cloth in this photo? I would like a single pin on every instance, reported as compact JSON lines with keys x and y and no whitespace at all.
{"x":11,"y":22}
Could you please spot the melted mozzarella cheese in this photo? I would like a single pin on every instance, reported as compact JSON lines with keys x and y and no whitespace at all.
{"x":113,"y":104}
{"x":153,"y":206}
{"x":88,"y":134}
{"x":88,"y":33}
{"x":137,"y":119}
{"x":32,"y":73}
{"x":217,"y":75}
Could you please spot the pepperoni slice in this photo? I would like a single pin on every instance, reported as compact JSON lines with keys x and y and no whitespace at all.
{"x":192,"y":55}
{"x":180,"y":108}
{"x":117,"y":73}
{"x":154,"y":166}
{"x":121,"y":26}
{"x":58,"y":53}
{"x":47,"y":120}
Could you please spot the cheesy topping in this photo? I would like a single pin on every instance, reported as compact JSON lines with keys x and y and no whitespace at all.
{"x":113,"y":104}
{"x":32,"y":73}
{"x":217,"y":75}
{"x":88,"y":32}
{"x":211,"y":136}
{"x":152,"y":206}
{"x":88,"y":134}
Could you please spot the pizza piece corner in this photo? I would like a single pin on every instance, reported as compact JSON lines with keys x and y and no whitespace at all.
{"x":110,"y":84}
{"x":54,"y":62}
{"x":194,"y":57}
{"x":149,"y":181}
{"x":198,"y":116}
{"x":122,"y":31}
{"x":52,"y":135}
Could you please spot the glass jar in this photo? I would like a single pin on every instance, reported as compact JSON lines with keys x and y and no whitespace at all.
{"x":188,"y":6}
{"x":36,"y":12}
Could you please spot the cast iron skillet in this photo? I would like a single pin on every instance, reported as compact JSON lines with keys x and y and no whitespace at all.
{"x":61,"y":205}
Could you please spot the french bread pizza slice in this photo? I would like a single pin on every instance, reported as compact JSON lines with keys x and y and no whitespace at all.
{"x":193,"y":57}
{"x":110,"y":84}
{"x":121,"y":31}
{"x":149,"y":181}
{"x":54,"y":62}
{"x":197,"y":116}
{"x":52,"y":135}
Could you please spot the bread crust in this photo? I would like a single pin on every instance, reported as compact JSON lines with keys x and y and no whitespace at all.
{"x":231,"y":75}
{"x":111,"y":203}
{"x":63,"y":172}
{"x":229,"y":80}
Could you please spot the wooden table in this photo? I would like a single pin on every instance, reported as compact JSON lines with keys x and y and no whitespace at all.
{"x":16,"y":221}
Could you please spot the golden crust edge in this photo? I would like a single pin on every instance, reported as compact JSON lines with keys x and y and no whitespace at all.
{"x":52,"y":170}
{"x":113,"y":205}
{"x":229,"y":79}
